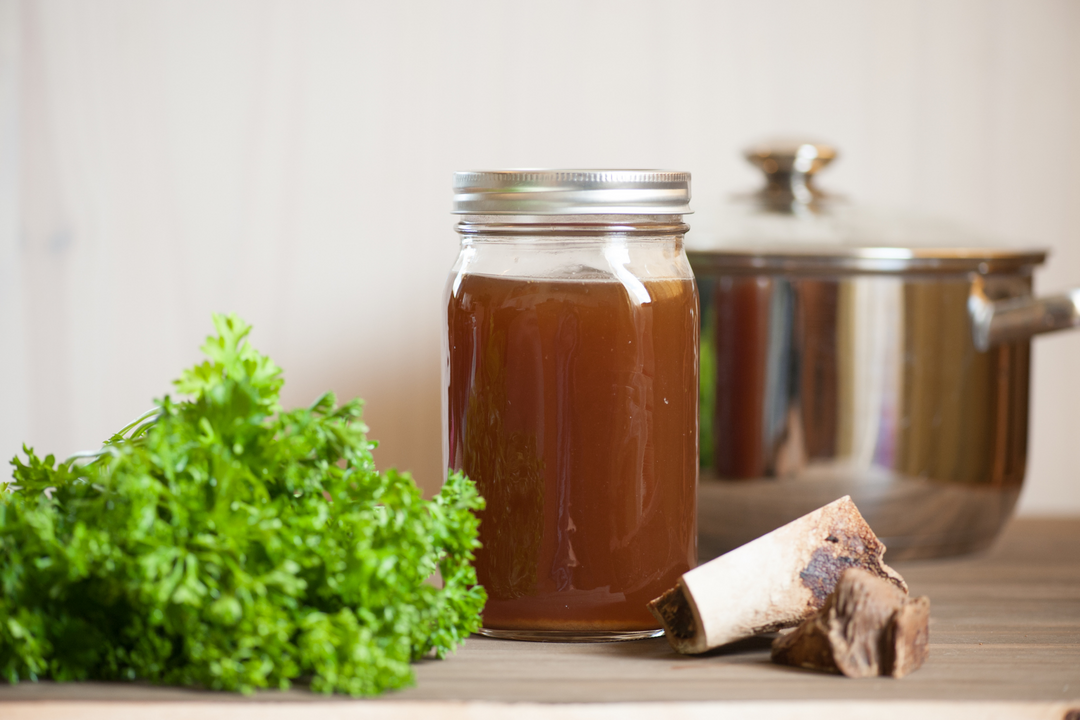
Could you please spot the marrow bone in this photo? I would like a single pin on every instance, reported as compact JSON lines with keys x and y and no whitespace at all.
{"x":773,"y":582}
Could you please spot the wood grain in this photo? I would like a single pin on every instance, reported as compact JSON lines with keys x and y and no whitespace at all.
{"x":1004,"y":642}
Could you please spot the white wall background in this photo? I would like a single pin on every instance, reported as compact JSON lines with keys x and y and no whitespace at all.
{"x":291,"y":161}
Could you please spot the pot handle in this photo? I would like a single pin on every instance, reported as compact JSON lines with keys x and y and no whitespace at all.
{"x":1020,"y":318}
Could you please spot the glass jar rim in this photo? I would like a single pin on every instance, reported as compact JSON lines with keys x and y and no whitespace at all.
{"x":616,"y":224}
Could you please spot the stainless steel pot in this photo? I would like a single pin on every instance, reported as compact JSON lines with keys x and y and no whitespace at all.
{"x":897,"y":375}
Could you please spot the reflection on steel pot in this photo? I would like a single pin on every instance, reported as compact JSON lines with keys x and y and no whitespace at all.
{"x":839,"y":358}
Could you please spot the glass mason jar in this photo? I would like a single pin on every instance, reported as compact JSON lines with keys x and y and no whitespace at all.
{"x":570,"y":371}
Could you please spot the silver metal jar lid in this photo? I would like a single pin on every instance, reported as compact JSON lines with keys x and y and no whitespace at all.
{"x":572,"y":192}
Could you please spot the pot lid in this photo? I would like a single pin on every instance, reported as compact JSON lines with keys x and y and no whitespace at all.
{"x":791,"y":225}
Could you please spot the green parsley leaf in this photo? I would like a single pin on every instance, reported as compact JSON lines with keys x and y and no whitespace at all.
{"x":222,"y":542}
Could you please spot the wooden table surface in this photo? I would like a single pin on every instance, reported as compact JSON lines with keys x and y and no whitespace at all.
{"x":1004,"y":642}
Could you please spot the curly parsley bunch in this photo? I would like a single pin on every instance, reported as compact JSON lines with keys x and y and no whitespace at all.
{"x":222,"y":542}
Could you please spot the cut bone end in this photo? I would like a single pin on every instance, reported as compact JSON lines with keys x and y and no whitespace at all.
{"x":867,"y":627}
{"x":774,"y":582}
{"x":676,"y":614}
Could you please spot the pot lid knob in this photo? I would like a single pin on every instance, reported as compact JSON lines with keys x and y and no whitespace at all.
{"x":789,"y":168}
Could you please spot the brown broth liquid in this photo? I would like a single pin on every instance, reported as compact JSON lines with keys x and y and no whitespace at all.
{"x":574,"y":407}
